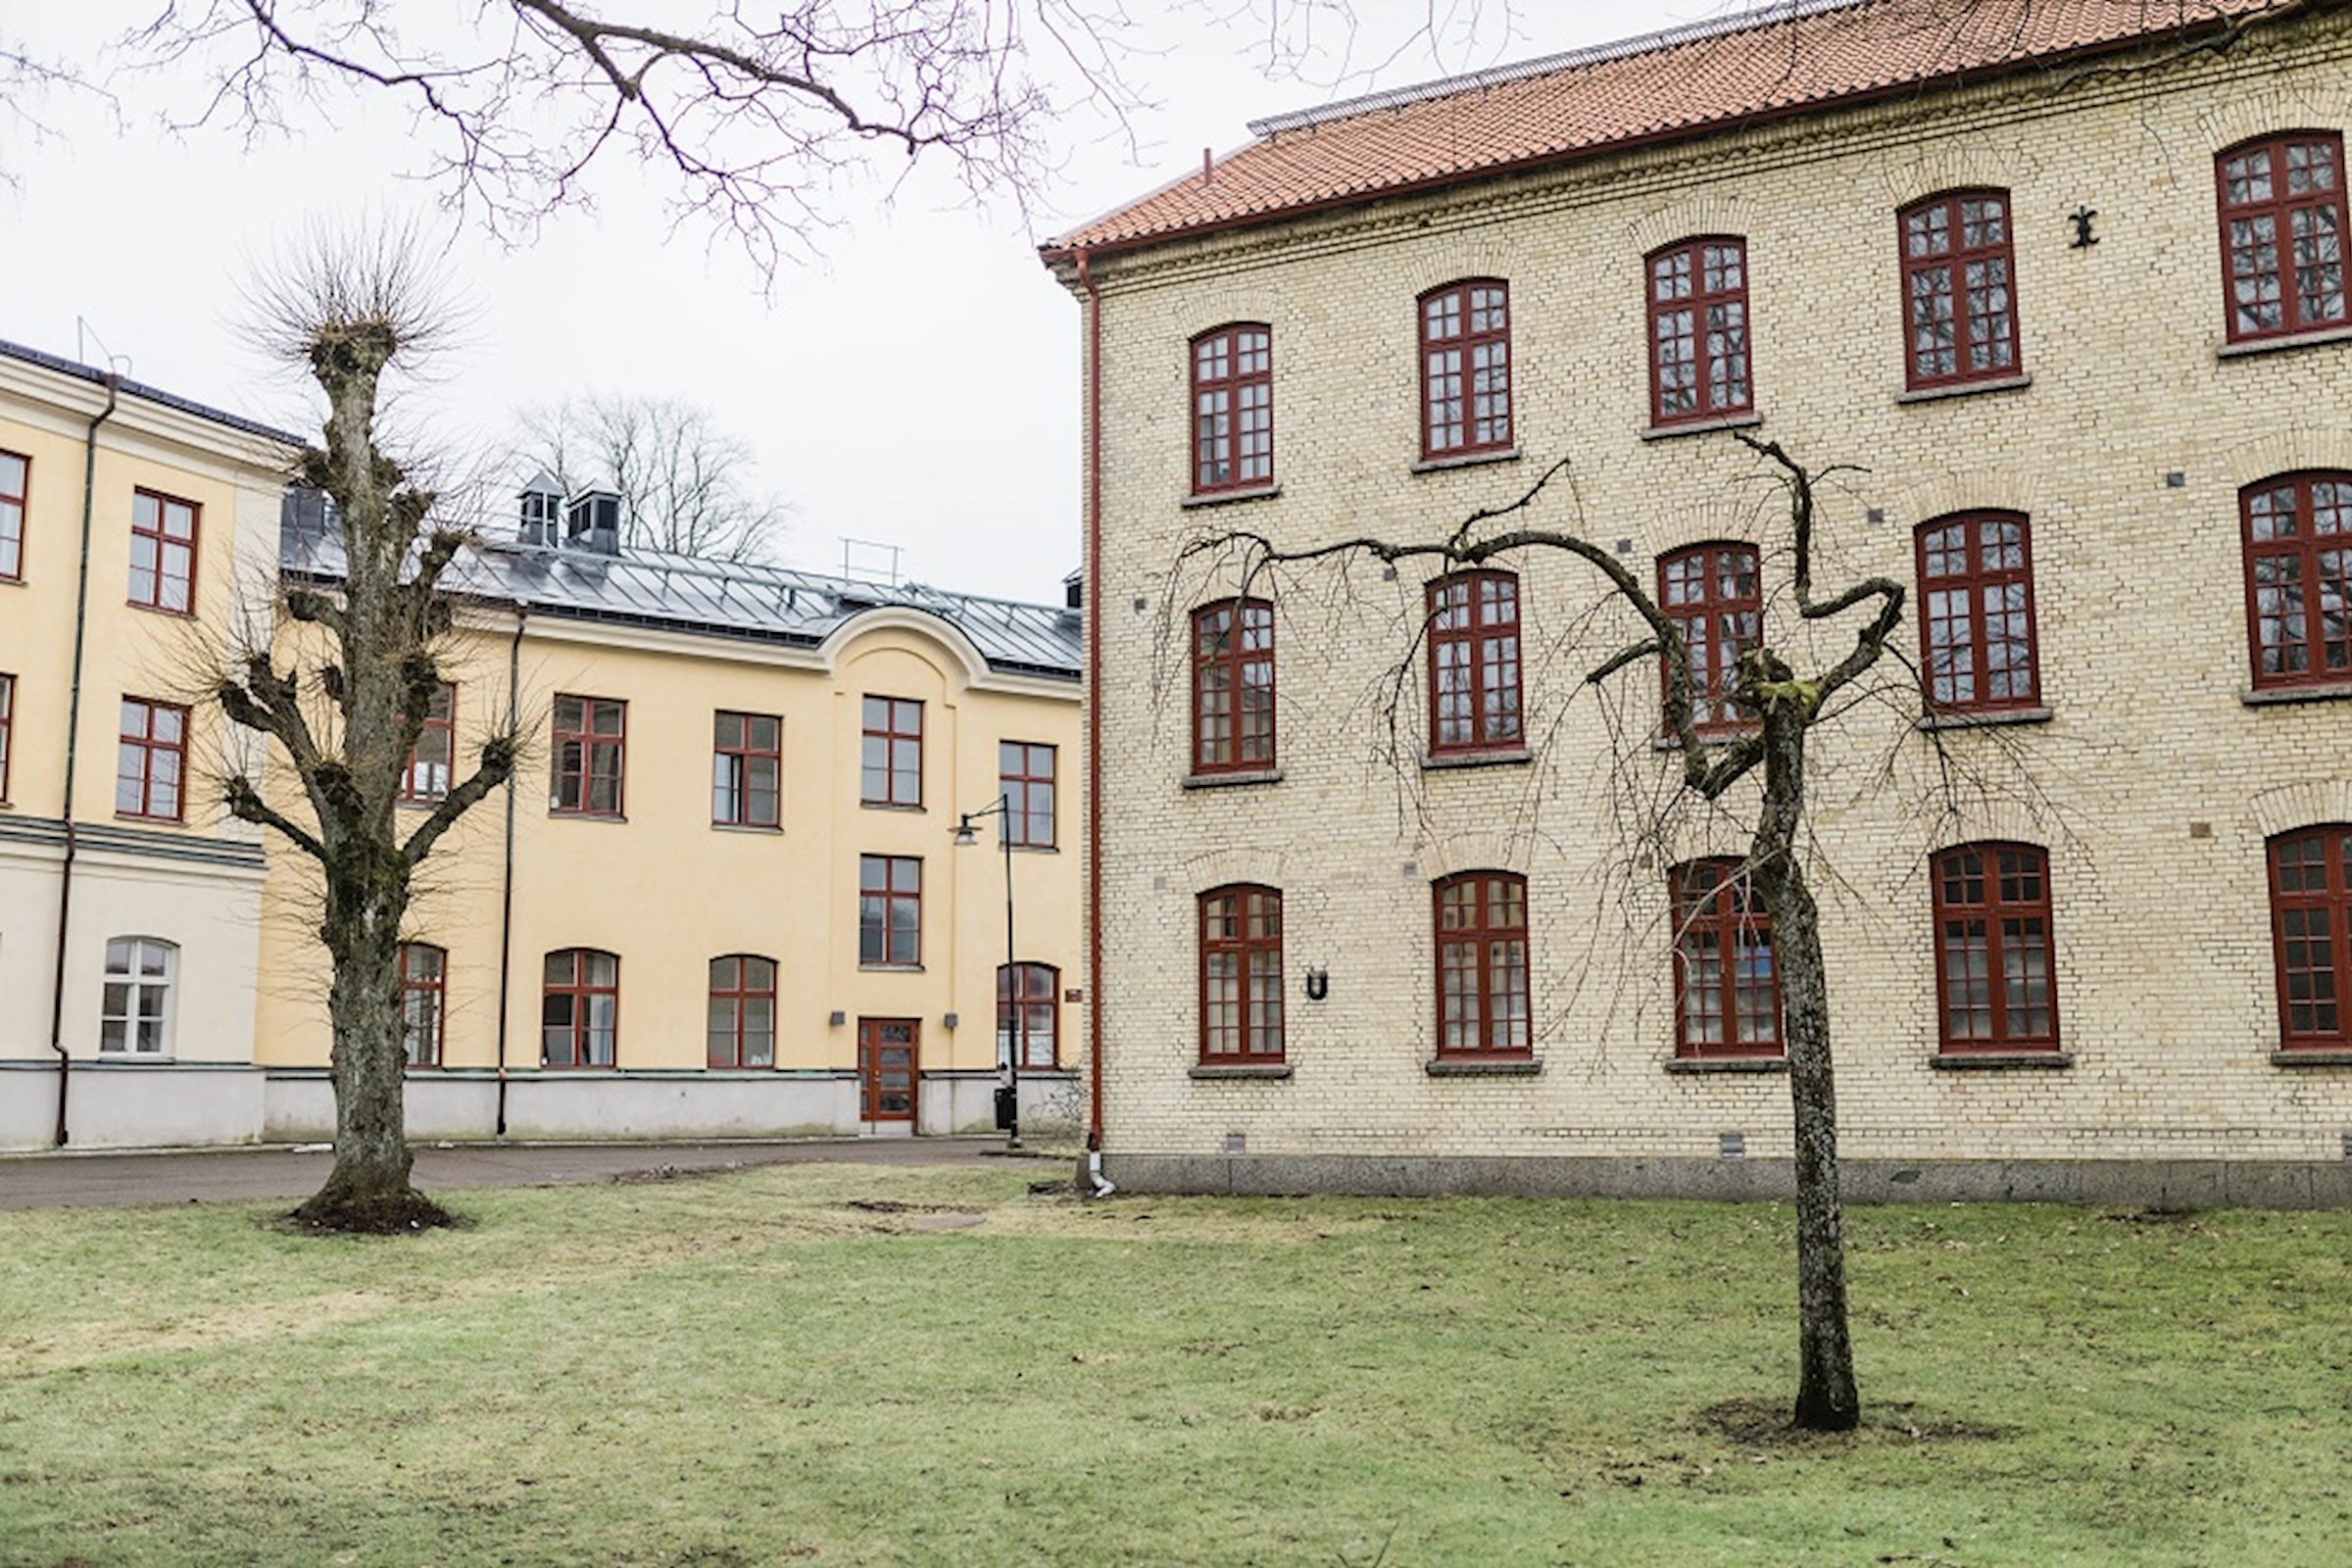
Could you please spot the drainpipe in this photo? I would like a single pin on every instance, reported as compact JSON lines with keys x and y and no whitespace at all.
{"x":65,"y":874}
{"x":505,"y":895}
{"x":1094,"y":715}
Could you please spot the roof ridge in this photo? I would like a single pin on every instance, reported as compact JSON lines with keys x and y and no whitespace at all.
{"x":1757,"y":16}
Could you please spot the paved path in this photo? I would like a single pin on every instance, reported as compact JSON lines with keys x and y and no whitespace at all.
{"x":62,"y":1181}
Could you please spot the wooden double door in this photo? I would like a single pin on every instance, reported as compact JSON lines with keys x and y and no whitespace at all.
{"x":888,"y":1055}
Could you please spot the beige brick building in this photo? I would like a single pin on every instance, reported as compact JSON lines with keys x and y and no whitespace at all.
{"x":2066,"y":289}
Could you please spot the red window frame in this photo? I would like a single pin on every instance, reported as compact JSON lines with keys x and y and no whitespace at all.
{"x":891,"y":752}
{"x":1240,"y":956}
{"x":1996,"y":973}
{"x":736,"y":794}
{"x":1466,"y":368}
{"x":1717,"y":911}
{"x":151,"y":760}
{"x":16,"y":486}
{"x":587,"y":755}
{"x":1025,"y":778}
{"x":2255,"y":186}
{"x":1976,"y":578}
{"x":439,"y":734}
{"x":2297,"y":531}
{"x":570,"y":977}
{"x":1959,"y":289}
{"x":423,"y":1003}
{"x":1714,"y":592}
{"x":1233,"y":408}
{"x":737,"y":988}
{"x":171,"y":571}
{"x":1037,"y":1019}
{"x":1474,"y":663}
{"x":1698,"y":296}
{"x":1232,"y":687}
{"x":890,"y":904}
{"x":1479,"y":926}
{"x":8,"y":726}
{"x":2311,"y":935}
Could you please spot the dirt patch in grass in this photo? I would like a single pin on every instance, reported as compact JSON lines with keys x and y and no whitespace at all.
{"x":1766,"y":1424}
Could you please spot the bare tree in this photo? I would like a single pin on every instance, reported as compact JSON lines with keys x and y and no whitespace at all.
{"x":1784,"y":708}
{"x":351,"y":309}
{"x":758,"y":116}
{"x":684,"y":483}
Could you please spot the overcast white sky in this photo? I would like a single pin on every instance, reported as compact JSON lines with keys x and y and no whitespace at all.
{"x":918,"y":386}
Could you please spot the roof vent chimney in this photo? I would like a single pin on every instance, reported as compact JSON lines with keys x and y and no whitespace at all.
{"x":593,"y":523}
{"x":1073,"y":591}
{"x":542,"y":511}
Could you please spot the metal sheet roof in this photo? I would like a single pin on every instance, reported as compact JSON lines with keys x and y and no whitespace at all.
{"x":709,"y":598}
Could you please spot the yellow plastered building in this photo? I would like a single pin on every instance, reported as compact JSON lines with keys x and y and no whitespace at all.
{"x":723,"y":895}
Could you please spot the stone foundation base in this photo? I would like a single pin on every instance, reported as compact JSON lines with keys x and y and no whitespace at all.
{"x":2142,"y":1184}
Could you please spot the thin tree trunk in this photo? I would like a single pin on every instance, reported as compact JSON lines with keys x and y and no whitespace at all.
{"x":1826,"y":1396}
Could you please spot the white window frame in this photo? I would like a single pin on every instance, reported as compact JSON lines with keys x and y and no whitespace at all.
{"x":136,"y":982}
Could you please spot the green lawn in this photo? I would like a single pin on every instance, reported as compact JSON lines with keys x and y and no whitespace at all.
{"x":752,"y":1369}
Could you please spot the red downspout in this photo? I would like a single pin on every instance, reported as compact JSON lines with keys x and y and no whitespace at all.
{"x":1093,"y":701}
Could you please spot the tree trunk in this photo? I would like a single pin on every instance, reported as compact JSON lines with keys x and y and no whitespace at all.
{"x":1826,"y":1396}
{"x":369,"y":1189}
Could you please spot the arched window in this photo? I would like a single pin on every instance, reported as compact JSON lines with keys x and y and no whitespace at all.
{"x":423,"y":1002}
{"x":1698,"y":330}
{"x":1240,"y":977}
{"x":2282,"y":233}
{"x":1233,"y":408}
{"x":2299,"y":543}
{"x":1715,"y":594}
{"x":1480,"y":927}
{"x":1975,"y":614}
{"x":1474,"y":663}
{"x":1993,"y":962}
{"x":1959,"y":289}
{"x":135,"y":1012}
{"x":1028,"y":1015}
{"x":2311,"y":924}
{"x":1466,"y":368}
{"x":1232,"y":686}
{"x":579,"y":1008}
{"x":1727,"y":989}
{"x":741,"y":1018}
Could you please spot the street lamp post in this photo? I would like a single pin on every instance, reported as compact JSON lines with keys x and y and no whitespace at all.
{"x":1011,"y":988}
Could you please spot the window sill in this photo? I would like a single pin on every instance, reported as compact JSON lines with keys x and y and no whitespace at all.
{"x":135,"y":1058}
{"x":2001,"y":1060}
{"x":890,"y":805}
{"x":1486,"y":1067}
{"x":1728,"y":421}
{"x":1465,"y":459}
{"x":1992,"y":719}
{"x":555,"y":816}
{"x":1219,"y":498}
{"x":1713,"y":1064}
{"x":1500,"y":756}
{"x":1964,"y":389}
{"x":418,"y":802}
{"x":770,"y":829}
{"x":1269,"y":1069}
{"x":890,"y":968}
{"x":160,"y":609}
{"x":144,"y":821}
{"x":1717,"y":737}
{"x":1037,"y":849}
{"x":1218,"y":782}
{"x":2286,"y":340}
{"x":2309,"y":1056}
{"x":2328,"y":691}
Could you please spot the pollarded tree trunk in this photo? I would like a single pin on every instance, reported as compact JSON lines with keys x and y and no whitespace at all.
{"x":1826,"y":1396}
{"x":368,"y":1188}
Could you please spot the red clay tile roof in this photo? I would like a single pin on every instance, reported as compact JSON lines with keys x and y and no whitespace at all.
{"x":1668,"y":85}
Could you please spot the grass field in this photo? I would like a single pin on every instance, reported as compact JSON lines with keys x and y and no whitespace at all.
{"x":833,"y":1364}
